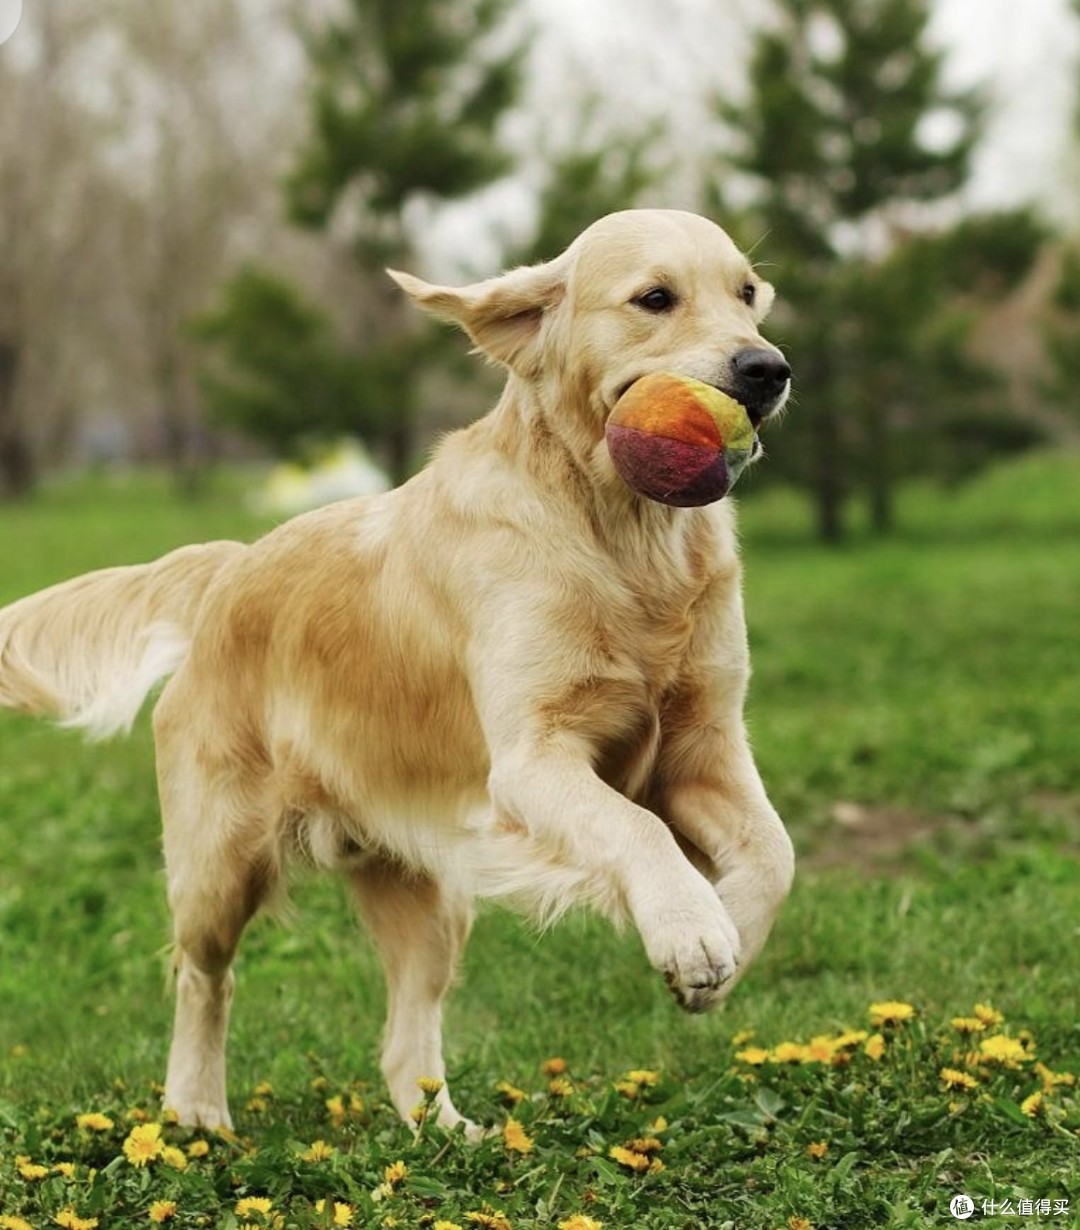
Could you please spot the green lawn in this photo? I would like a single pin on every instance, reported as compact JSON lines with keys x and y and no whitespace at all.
{"x":915,"y":710}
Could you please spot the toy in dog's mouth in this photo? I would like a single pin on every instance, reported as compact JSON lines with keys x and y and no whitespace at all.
{"x":680,"y":441}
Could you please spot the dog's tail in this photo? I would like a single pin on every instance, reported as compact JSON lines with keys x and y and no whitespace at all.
{"x":90,"y":650}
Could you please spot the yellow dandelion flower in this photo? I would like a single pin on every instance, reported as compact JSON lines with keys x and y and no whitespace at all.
{"x":658,"y":1125}
{"x":71,"y":1221}
{"x":655,"y":1166}
{"x":968,"y":1024}
{"x":643,"y":1076}
{"x":174,"y":1157}
{"x":511,"y":1093}
{"x":318,"y":1151}
{"x":817,"y":1149}
{"x":645,"y":1145}
{"x":67,"y":1169}
{"x":264,"y":1090}
{"x":850,"y":1038}
{"x":554,"y":1067}
{"x":343,"y":1213}
{"x":336,"y":1108}
{"x":1032,"y":1105}
{"x":93,"y":1122}
{"x":799,"y":1223}
{"x":560,"y":1087}
{"x":257,"y":1106}
{"x":489,"y":1219}
{"x":743,"y":1037}
{"x":419,"y":1113}
{"x":628,"y":1158}
{"x":988,"y":1014}
{"x":953,"y":1078}
{"x":254,"y":1204}
{"x":144,"y":1144}
{"x":429,"y":1085}
{"x":30,"y":1170}
{"x":198,"y":1148}
{"x":515,"y":1138}
{"x":890,"y":1012}
{"x":874,"y":1047}
{"x":1001,"y":1049}
{"x":446,"y":1225}
{"x":629,"y":1089}
{"x":753,"y":1055}
{"x":788,"y":1052}
{"x":8,"y":1221}
{"x":396,"y":1173}
{"x":580,"y":1221}
{"x":137,"y":1115}
{"x":162,"y":1210}
{"x":1050,"y":1080}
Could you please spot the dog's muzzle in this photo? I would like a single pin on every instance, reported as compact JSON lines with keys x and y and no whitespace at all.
{"x":758,"y":378}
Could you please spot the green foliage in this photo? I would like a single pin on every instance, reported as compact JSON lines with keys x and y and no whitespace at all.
{"x":848,"y":131}
{"x":1061,"y":335}
{"x":406,"y":101}
{"x":282,"y":375}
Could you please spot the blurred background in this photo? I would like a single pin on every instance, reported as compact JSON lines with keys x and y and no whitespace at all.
{"x":197,"y":201}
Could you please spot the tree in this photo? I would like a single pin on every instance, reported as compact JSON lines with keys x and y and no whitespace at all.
{"x":405,"y":105}
{"x":848,"y":136}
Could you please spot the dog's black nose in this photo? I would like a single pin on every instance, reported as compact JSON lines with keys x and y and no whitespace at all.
{"x":760,"y":377}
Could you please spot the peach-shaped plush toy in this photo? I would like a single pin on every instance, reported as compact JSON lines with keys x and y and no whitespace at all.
{"x":678,"y":440}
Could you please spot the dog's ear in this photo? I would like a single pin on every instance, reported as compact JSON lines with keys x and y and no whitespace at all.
{"x":502,"y":315}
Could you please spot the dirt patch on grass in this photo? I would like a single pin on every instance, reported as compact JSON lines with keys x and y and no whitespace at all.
{"x":876,"y":838}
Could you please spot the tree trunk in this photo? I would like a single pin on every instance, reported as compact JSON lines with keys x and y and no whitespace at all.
{"x":18,"y":473}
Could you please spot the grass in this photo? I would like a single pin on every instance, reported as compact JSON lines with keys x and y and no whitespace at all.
{"x":914,"y":711}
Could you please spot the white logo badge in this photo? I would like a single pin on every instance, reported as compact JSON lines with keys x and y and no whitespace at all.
{"x":961,"y":1207}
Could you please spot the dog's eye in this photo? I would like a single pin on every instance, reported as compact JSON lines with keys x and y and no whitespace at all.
{"x":659,"y":299}
{"x":748,"y":294}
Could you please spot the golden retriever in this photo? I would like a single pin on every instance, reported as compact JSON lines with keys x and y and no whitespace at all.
{"x":511,"y":677}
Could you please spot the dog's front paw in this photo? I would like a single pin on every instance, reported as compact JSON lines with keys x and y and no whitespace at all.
{"x":697,"y":951}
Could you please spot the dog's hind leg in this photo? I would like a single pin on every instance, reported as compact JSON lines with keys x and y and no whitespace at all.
{"x":219,"y":871}
{"x":420,"y":928}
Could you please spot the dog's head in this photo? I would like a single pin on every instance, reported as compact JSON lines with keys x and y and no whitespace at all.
{"x":639,"y":291}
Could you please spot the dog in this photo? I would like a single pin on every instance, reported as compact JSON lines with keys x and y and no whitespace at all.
{"x":512,"y":677}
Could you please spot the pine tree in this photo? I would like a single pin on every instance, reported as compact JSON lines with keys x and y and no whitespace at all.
{"x":849,"y":127}
{"x":404,"y":110}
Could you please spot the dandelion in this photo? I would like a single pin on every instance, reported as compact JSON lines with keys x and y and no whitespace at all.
{"x":817,"y":1149}
{"x":258,"y":1106}
{"x":254,"y":1204}
{"x":638,"y":1162}
{"x":753,"y":1055}
{"x":144,"y":1144}
{"x":629,"y":1089}
{"x":67,"y":1169}
{"x":318,"y":1151}
{"x":1032,"y":1105}
{"x":489,"y":1219}
{"x":988,"y":1015}
{"x":343,"y":1213}
{"x":515,"y":1138}
{"x":968,"y":1024}
{"x":658,"y":1125}
{"x":890,"y":1012}
{"x":743,"y":1037}
{"x":162,"y":1210}
{"x":198,"y":1148}
{"x":511,"y":1093}
{"x":953,"y":1078}
{"x":9,"y":1222}
{"x":1050,"y":1080}
{"x":560,"y":1087}
{"x":71,"y":1221}
{"x":1001,"y":1049}
{"x":874,"y":1047}
{"x":395,"y":1173}
{"x":788,"y":1052}
{"x":429,"y":1086}
{"x":643,"y":1076}
{"x":554,"y":1067}
{"x":29,"y":1170}
{"x":336,"y":1108}
{"x":580,"y":1222}
{"x":446,"y":1225}
{"x":94,"y":1122}
{"x":799,"y":1223}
